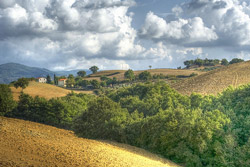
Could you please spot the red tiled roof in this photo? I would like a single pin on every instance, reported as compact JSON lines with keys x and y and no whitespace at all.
{"x":62,"y":79}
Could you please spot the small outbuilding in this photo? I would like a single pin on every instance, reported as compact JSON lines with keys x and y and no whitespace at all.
{"x":42,"y":80}
{"x":62,"y":82}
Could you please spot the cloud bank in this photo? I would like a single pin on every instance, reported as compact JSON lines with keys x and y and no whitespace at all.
{"x":66,"y":31}
{"x":207,"y":23}
{"x":69,"y":34}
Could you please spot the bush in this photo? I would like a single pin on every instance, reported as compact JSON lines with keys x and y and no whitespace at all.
{"x":7,"y":104}
{"x":145,"y":76}
{"x":236,"y":60}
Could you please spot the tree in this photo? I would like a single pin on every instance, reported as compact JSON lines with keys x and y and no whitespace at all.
{"x":199,"y":62}
{"x":81,"y":73}
{"x":114,"y":81}
{"x":49,"y":81}
{"x":188,"y":63}
{"x":84,"y":83}
{"x":22,"y":83}
{"x":224,"y":62}
{"x":94,"y":69}
{"x":104,"y":78}
{"x":55,"y":79}
{"x":145,"y":75}
{"x":236,"y":60}
{"x":7,"y":103}
{"x":102,"y":112}
{"x":150,"y":67}
{"x":129,"y":75}
{"x":70,"y":81}
{"x":95,"y":84}
{"x":103,"y":84}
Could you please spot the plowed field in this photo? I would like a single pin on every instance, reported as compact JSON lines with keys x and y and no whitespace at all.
{"x":28,"y":144}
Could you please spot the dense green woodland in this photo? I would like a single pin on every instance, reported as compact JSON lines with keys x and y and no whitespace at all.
{"x":190,"y":130}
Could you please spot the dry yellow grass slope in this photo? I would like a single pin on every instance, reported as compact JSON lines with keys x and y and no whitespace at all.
{"x":119,"y":74}
{"x":25,"y":143}
{"x":43,"y":90}
{"x":216,"y":81}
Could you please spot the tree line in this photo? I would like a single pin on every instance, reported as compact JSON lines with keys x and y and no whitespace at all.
{"x":191,"y":130}
{"x":210,"y":62}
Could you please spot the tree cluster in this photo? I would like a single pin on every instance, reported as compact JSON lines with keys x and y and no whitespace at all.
{"x":210,"y":62}
{"x":191,"y":130}
{"x":58,"y":112}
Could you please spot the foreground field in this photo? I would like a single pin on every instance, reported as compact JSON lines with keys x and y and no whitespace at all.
{"x":26,"y":143}
{"x":216,"y":81}
{"x":43,"y":90}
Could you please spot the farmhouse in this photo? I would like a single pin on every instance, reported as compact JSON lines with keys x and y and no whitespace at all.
{"x":62,"y":82}
{"x":42,"y":80}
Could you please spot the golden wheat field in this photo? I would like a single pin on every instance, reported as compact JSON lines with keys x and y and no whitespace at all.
{"x":44,"y":90}
{"x":216,"y":81}
{"x":26,"y":144}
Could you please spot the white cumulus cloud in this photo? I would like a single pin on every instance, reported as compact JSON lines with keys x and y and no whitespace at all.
{"x":181,"y":31}
{"x":74,"y":29}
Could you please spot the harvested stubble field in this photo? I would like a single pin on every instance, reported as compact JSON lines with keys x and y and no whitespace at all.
{"x":43,"y":90}
{"x":216,"y":81}
{"x":26,"y":144}
{"x":119,"y":74}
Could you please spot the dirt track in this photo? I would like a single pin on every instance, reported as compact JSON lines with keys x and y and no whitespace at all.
{"x":28,"y":144}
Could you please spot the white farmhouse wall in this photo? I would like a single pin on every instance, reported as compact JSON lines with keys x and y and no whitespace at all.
{"x":42,"y":80}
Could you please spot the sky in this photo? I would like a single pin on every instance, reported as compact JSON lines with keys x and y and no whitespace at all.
{"x":122,"y":34}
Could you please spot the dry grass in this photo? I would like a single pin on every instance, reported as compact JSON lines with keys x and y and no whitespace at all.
{"x":175,"y":72}
{"x":25,"y":143}
{"x":44,"y":90}
{"x":216,"y":81}
{"x":120,"y":76}
{"x":107,"y":72}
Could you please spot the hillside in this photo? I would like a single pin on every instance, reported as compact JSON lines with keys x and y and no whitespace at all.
{"x":25,"y":143}
{"x":12,"y":71}
{"x":74,"y":72}
{"x":43,"y":90}
{"x":217,"y":80}
{"x":119,"y":74}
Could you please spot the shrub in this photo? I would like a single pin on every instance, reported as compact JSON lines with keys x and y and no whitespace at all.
{"x":7,"y":103}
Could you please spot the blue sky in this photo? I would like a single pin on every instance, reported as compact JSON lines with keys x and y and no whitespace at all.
{"x":122,"y":34}
{"x":160,"y":7}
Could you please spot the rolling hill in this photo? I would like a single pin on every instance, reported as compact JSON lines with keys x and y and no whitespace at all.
{"x":12,"y":71}
{"x":43,"y":90}
{"x":25,"y":143}
{"x":216,"y":81}
{"x":74,"y":72}
{"x":119,"y":74}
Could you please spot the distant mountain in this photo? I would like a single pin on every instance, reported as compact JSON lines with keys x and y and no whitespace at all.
{"x":12,"y":71}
